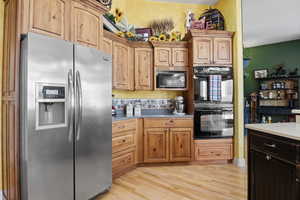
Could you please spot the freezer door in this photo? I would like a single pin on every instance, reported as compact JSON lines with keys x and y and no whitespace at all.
{"x":46,"y":141}
{"x":93,"y":122}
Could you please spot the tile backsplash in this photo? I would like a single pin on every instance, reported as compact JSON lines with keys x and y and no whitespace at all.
{"x":147,"y":104}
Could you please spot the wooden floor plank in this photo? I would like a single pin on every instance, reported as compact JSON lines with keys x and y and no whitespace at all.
{"x":187,"y":182}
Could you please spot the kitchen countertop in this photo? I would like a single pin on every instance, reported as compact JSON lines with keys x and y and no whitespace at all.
{"x":124,"y":117}
{"x":287,"y":130}
{"x":296,"y":111}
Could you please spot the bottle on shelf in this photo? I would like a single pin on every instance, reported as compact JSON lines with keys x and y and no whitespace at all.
{"x":263,"y":119}
{"x":269,"y":119}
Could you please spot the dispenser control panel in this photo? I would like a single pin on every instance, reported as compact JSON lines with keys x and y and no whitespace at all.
{"x":51,"y":106}
{"x":53,"y":92}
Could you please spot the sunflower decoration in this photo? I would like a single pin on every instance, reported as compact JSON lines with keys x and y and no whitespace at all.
{"x":162,"y":38}
{"x":118,"y":15}
{"x":173,"y":38}
{"x":153,"y":39}
{"x":130,"y":35}
{"x":121,"y":34}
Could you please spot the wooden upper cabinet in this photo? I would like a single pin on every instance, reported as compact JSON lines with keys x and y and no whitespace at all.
{"x":107,"y":46}
{"x":180,"y":57}
{"x":50,"y":17}
{"x":122,"y":66}
{"x":143,"y":68}
{"x":163,"y":56}
{"x":223,"y":51}
{"x":86,"y":25}
{"x":202,"y":50}
{"x":181,"y":144}
{"x":156,"y":145}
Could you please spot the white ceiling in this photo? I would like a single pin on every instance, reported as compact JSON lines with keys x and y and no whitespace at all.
{"x":270,"y":21}
{"x":203,"y":2}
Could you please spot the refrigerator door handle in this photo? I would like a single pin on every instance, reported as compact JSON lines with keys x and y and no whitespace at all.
{"x":71,"y":105}
{"x":79,"y":98}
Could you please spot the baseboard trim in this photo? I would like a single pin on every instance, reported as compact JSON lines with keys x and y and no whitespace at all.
{"x":1,"y":195}
{"x":240,"y":162}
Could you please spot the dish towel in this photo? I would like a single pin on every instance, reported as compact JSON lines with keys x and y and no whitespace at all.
{"x":215,"y":84}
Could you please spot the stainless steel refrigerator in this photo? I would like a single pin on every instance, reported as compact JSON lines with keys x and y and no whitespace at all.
{"x":65,"y":120}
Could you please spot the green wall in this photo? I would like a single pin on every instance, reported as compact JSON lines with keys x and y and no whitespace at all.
{"x":267,"y":56}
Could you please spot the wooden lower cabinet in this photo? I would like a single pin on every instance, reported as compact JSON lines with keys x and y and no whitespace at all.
{"x":123,"y":162}
{"x":213,"y":149}
{"x":168,"y":140}
{"x":156,"y":145}
{"x":181,"y":144}
{"x":124,"y":143}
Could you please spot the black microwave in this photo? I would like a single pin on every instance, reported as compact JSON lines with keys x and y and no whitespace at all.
{"x":171,"y":79}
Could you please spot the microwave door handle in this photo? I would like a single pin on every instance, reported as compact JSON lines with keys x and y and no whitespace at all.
{"x":79,"y":105}
{"x":70,"y":105}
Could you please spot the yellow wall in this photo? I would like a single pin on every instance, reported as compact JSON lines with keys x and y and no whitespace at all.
{"x":231,"y":9}
{"x":1,"y":54}
{"x":140,"y":13}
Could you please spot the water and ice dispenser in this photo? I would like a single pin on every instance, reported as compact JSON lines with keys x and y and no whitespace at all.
{"x":51,"y":106}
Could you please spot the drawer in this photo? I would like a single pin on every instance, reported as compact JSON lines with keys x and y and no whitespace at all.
{"x":123,"y":125}
{"x":168,"y":122}
{"x":214,"y":153}
{"x":213,"y":149}
{"x":123,"y":142}
{"x":123,"y":162}
{"x":275,"y":147}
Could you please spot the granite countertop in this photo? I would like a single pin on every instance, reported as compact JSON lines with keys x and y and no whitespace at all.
{"x":124,"y":117}
{"x":296,"y":111}
{"x":288,"y":130}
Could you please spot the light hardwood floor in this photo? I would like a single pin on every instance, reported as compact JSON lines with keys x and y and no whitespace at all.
{"x":187,"y":182}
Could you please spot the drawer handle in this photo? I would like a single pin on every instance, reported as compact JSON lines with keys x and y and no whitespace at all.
{"x":122,"y":126}
{"x":270,"y":145}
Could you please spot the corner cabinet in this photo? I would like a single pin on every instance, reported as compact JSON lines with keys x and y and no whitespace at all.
{"x":168,"y":140}
{"x":273,"y":167}
{"x":143,"y":63}
{"x":210,"y":47}
{"x":87,"y":28}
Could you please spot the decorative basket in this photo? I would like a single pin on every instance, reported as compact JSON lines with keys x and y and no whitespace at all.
{"x":214,"y":20}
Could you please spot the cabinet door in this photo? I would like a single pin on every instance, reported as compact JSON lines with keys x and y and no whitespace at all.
{"x":143,"y":68}
{"x":202,"y":50}
{"x":122,"y":67}
{"x":163,"y":56}
{"x":180,"y":57}
{"x":223,"y":51}
{"x":107,"y":46}
{"x":10,"y":138}
{"x":271,"y":178}
{"x":180,"y":144}
{"x":86,"y":25}
{"x":156,"y":145}
{"x":50,"y":17}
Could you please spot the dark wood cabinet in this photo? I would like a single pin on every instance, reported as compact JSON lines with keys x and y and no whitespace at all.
{"x":271,"y":174}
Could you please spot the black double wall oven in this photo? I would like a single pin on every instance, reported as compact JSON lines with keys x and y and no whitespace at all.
{"x":213,"y":102}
